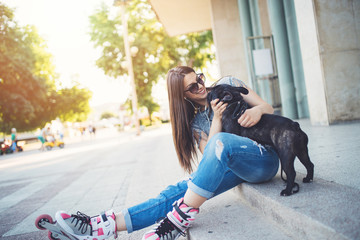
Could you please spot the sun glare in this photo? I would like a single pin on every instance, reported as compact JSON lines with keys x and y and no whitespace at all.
{"x":64,"y":25}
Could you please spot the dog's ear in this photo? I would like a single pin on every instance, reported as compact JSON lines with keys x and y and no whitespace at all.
{"x":243,"y":90}
{"x":210,"y":94}
{"x":209,"y":89}
{"x":227,"y":96}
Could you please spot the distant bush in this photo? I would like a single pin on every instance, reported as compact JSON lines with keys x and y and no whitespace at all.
{"x":107,"y":115}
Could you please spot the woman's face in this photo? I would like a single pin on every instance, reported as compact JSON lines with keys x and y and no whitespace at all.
{"x":198,"y":96}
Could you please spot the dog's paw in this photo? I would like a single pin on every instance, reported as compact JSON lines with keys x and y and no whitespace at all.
{"x":307,"y":179}
{"x":285,"y":193}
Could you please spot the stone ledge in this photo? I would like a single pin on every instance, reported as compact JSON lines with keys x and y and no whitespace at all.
{"x":321,"y":210}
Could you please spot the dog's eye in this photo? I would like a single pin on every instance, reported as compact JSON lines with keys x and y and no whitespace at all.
{"x":227,"y":97}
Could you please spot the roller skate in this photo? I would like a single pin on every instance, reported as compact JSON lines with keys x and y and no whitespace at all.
{"x":78,"y":226}
{"x":175,"y":224}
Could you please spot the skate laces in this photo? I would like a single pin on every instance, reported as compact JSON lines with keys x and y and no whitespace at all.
{"x":165,"y":227}
{"x":83,"y":220}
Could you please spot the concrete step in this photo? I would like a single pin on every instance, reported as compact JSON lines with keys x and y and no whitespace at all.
{"x":227,"y":217}
{"x":321,"y":210}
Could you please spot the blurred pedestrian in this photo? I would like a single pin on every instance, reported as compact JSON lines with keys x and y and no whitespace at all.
{"x":45,"y":135}
{"x":91,"y":130}
{"x":13,"y":140}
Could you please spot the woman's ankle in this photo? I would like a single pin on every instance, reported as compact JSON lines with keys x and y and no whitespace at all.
{"x":120,"y":222}
{"x":193,"y":199}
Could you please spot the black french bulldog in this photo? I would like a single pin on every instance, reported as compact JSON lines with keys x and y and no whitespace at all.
{"x":283,"y":134}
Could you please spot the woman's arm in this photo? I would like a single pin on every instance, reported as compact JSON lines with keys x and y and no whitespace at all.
{"x":258,"y":107}
{"x":216,"y":125}
{"x":202,"y":143}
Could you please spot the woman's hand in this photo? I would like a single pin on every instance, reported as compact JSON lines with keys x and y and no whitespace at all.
{"x":218,"y":107}
{"x":258,"y":107}
{"x":250,"y":117}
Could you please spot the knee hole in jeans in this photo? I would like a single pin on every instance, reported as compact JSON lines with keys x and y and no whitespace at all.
{"x":219,"y":148}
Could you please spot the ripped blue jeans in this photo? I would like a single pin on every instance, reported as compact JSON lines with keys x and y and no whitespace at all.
{"x":228,"y":160}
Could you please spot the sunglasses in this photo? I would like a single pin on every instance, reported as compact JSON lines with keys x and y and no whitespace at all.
{"x":194,"y":87}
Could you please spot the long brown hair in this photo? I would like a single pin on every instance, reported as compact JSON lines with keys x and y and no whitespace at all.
{"x":181,"y":115}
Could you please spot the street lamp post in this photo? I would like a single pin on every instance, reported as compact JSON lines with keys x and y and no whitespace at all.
{"x":134,"y":101}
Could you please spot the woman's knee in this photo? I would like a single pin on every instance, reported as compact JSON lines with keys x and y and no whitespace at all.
{"x":217,"y":138}
{"x":218,"y":143}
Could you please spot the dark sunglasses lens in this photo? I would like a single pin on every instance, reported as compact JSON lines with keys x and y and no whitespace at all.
{"x":202,"y":76}
{"x":194,"y":88}
{"x":200,"y":80}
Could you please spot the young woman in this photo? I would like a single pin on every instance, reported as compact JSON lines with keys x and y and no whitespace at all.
{"x":227,"y":161}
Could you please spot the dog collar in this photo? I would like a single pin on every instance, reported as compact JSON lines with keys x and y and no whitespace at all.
{"x":240,"y":108}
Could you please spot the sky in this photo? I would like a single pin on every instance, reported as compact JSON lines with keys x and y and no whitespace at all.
{"x":64,"y":25}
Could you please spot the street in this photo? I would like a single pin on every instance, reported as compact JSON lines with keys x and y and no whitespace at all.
{"x":89,"y":175}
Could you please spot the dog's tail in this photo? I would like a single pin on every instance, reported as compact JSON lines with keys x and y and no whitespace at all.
{"x":301,"y":141}
{"x":302,"y":137}
{"x":296,"y":126}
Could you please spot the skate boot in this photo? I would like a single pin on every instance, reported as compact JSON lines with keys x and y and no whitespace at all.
{"x":79,"y":226}
{"x":175,"y":223}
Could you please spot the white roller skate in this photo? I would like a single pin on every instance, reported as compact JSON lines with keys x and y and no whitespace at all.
{"x":78,"y":226}
{"x":175,"y":223}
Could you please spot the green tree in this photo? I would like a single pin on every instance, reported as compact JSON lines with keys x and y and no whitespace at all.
{"x":28,"y":94}
{"x":23,"y":88}
{"x":107,"y":115}
{"x":72,"y":104}
{"x":156,"y":51}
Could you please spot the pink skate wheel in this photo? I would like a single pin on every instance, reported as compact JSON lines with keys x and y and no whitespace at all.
{"x":51,"y":237}
{"x":42,"y":218}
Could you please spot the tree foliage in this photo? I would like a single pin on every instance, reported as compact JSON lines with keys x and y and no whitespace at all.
{"x":28,"y":94}
{"x":72,"y":104}
{"x":107,"y":115}
{"x":156,"y":51}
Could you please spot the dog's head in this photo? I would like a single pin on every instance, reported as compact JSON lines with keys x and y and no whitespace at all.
{"x":231,"y":95}
{"x":226,"y":93}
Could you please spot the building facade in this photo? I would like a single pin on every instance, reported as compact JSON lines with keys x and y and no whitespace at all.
{"x":303,"y":56}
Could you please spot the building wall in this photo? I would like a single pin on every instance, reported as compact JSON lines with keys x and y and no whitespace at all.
{"x":230,"y":52}
{"x":264,"y":17}
{"x":329,"y":32}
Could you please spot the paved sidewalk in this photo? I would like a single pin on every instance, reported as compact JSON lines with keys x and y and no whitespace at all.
{"x":335,"y":152}
{"x":113,"y":171}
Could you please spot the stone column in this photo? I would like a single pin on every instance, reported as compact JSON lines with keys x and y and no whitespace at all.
{"x":329,"y":32}
{"x":227,"y":34}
